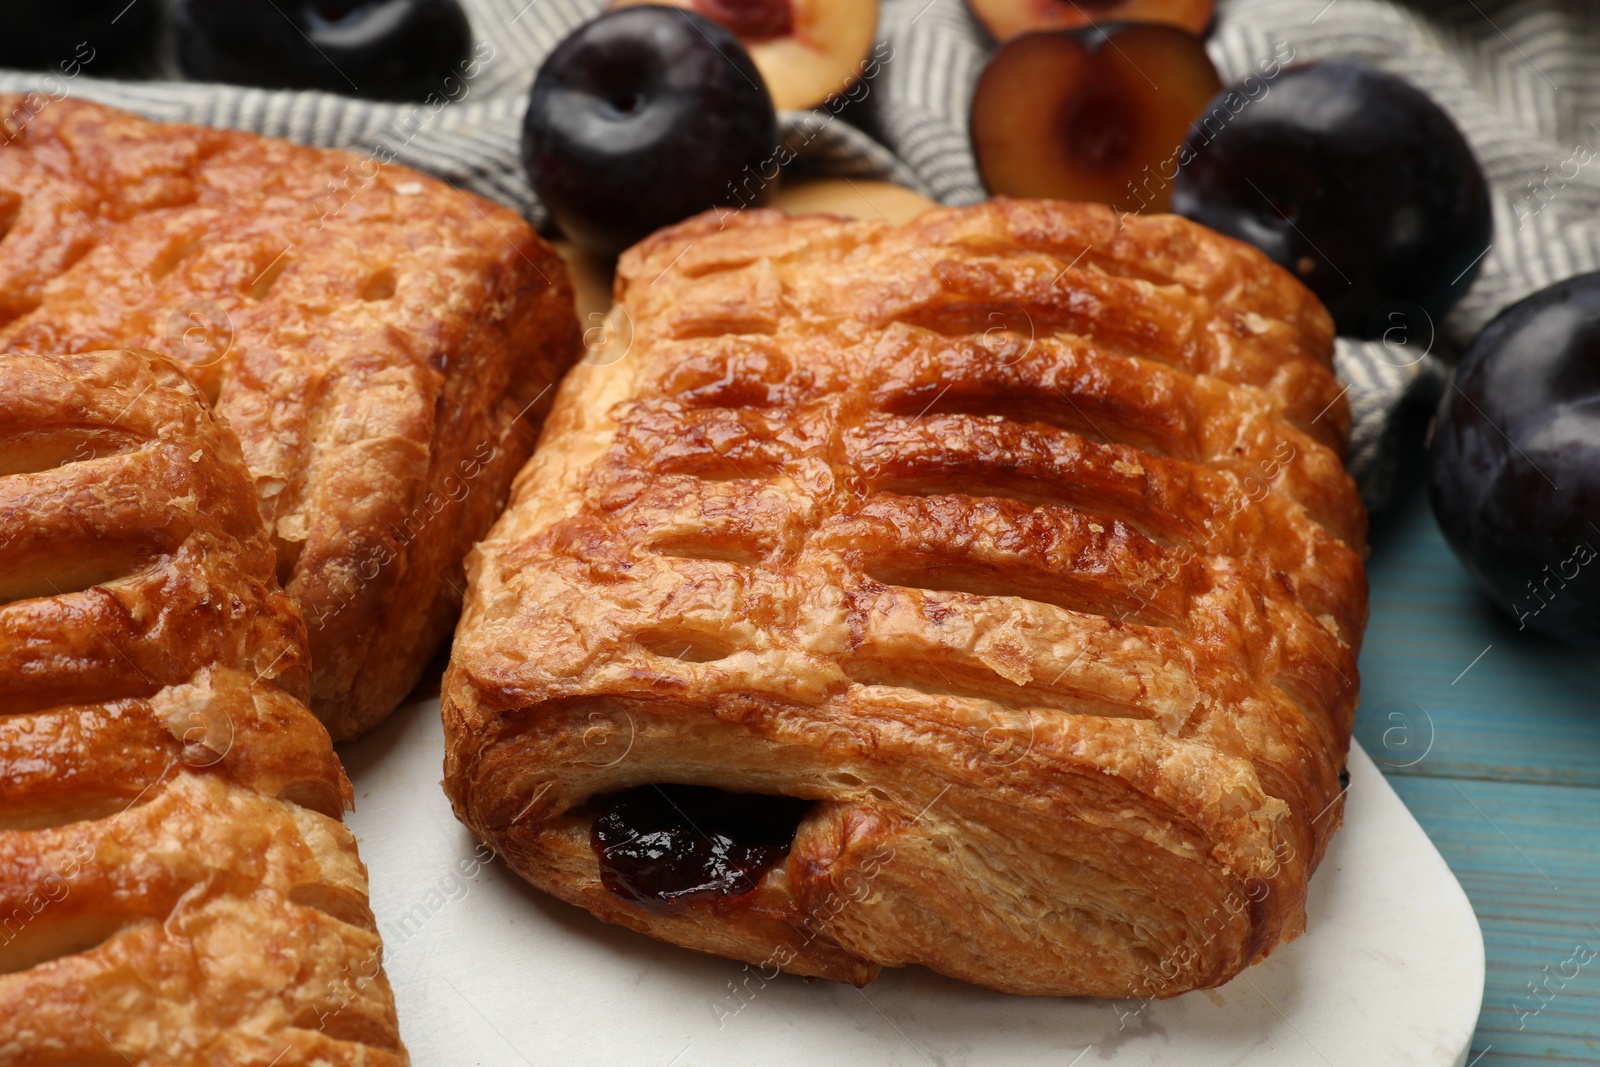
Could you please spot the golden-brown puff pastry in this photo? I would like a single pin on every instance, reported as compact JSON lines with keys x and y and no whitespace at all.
{"x":176,"y":886}
{"x":383,"y":345}
{"x":1014,"y":543}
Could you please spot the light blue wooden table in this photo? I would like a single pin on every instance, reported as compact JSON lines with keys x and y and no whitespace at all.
{"x":1492,"y":738}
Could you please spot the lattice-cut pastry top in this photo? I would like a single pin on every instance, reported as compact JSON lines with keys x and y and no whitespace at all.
{"x":176,"y":885}
{"x":384,"y":346}
{"x":1016,"y":542}
{"x":131,"y":552}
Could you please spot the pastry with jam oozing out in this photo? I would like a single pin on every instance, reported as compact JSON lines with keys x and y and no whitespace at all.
{"x":982,"y":593}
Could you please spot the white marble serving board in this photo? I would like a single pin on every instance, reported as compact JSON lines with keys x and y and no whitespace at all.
{"x":488,"y":971}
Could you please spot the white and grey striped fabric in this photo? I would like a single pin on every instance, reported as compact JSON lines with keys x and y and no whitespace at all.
{"x":1519,"y":76}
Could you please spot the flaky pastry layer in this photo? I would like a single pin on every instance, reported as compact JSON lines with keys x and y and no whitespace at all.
{"x":176,"y":886}
{"x":1016,"y":539}
{"x":384,"y":346}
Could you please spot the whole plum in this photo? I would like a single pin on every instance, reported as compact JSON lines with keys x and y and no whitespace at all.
{"x":643,"y":117}
{"x":383,"y":49}
{"x":1515,"y":460}
{"x":1349,"y":177}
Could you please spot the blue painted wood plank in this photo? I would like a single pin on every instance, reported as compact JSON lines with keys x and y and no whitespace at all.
{"x":1450,"y":687}
{"x":1526,"y":856}
{"x":1492,"y":738}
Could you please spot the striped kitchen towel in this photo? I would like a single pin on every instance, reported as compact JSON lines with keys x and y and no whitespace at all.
{"x":1517,"y":75}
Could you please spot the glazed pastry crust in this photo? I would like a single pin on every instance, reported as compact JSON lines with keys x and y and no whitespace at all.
{"x":176,"y":885}
{"x":384,"y":346}
{"x":1016,"y":538}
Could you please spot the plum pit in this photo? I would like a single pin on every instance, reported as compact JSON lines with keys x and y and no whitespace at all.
{"x":1096,"y":128}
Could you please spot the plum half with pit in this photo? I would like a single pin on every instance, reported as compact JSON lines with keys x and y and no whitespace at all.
{"x":1090,"y":114}
{"x":1349,"y":177}
{"x":1515,"y":460}
{"x":806,"y":50}
{"x":643,"y":117}
{"x":381,"y":49}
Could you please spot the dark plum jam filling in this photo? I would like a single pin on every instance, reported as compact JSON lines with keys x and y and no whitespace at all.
{"x":658,"y":844}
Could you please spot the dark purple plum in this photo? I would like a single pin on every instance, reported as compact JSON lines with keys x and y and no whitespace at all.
{"x":382,"y":49}
{"x":1349,"y":177}
{"x":643,"y":117}
{"x":1515,"y":460}
{"x":60,"y":34}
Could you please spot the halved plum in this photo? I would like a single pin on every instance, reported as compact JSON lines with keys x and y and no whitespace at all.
{"x":1092,"y":115}
{"x":806,"y":50}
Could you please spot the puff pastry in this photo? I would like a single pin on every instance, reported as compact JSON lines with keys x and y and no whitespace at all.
{"x":176,"y":886}
{"x":383,"y":345}
{"x":1013,"y":545}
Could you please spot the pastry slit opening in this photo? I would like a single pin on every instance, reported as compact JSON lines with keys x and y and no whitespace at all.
{"x":663,"y":844}
{"x":173,"y":256}
{"x":342,"y":903}
{"x":380,"y":285}
{"x":37,"y":451}
{"x":963,"y":685}
{"x":32,"y":578}
{"x":721,"y":549}
{"x":1049,"y":590}
{"x":1011,"y":326}
{"x":1054,"y":408}
{"x":10,"y":211}
{"x":686,"y":646}
{"x":32,"y":933}
{"x":56,"y":811}
{"x":263,"y":283}
{"x":710,"y":465}
{"x":1006,"y":485}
